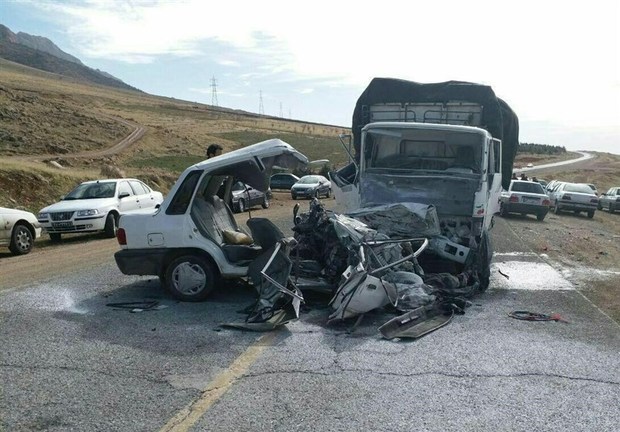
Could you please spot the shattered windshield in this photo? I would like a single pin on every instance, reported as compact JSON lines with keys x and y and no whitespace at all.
{"x":92,"y":191}
{"x":423,"y":150}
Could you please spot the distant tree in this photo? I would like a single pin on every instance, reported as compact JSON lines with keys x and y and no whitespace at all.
{"x":544,"y":149}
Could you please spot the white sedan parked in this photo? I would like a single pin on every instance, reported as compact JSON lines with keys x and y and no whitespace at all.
{"x":18,"y":230}
{"x":96,"y":206}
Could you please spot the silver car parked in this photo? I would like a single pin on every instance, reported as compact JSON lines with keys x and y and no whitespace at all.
{"x":525,"y":197}
{"x":576,"y":197}
{"x":610,"y":200}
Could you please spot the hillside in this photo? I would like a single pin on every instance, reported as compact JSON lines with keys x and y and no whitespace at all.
{"x":55,"y":117}
{"x":41,"y":53}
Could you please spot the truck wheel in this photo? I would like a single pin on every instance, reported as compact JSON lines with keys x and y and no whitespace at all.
{"x":21,"y":240}
{"x":265,"y":203}
{"x":590,"y":214}
{"x":110,"y":226}
{"x":55,"y":237}
{"x":190,"y":278}
{"x":485,"y":255}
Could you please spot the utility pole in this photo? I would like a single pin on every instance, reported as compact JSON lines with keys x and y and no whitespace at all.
{"x":214,"y":101}
{"x":289,"y":114}
{"x":261,"y":108}
{"x":281,"y":115}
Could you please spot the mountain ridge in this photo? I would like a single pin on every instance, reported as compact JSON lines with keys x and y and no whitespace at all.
{"x":41,"y":53}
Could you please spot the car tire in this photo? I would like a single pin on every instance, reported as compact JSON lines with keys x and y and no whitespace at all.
{"x":502,"y":211}
{"x":190,"y":278}
{"x":241,"y":206}
{"x":22,"y":240}
{"x":316,"y":194}
{"x":541,"y":216}
{"x":55,"y":237}
{"x":599,"y":206}
{"x":328,"y":193}
{"x":590,"y":214}
{"x":556,"y":209}
{"x":111,"y":225}
{"x":265,"y":203}
{"x":612,"y":208}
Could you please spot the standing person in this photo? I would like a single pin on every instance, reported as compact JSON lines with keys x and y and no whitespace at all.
{"x":523,"y":176}
{"x":214,"y":150}
{"x":514,"y":176}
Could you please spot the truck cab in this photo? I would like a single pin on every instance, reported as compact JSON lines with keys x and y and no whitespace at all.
{"x":438,"y":145}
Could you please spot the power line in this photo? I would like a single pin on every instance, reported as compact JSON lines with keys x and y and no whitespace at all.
{"x":261,"y":108}
{"x":214,"y":101}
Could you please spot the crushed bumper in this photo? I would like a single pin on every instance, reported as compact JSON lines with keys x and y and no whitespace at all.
{"x":140,"y":261}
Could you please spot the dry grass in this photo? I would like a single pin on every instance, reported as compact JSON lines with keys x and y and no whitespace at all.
{"x":46,"y":114}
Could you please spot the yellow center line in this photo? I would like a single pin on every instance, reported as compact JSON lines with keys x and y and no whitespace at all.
{"x":191,"y":413}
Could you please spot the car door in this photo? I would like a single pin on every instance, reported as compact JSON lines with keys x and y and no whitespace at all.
{"x":127,"y":200}
{"x":141,"y":194}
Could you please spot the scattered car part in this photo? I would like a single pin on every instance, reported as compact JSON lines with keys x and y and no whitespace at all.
{"x":416,"y":323}
{"x":535,"y":316}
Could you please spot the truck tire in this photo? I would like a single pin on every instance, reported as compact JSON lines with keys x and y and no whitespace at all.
{"x":22,"y":240}
{"x":111,"y":225}
{"x":485,"y":255}
{"x":190,"y":278}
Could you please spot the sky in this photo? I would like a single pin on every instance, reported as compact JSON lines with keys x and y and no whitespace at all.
{"x":556,"y":63}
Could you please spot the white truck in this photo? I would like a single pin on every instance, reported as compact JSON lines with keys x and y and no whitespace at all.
{"x":447,"y":145}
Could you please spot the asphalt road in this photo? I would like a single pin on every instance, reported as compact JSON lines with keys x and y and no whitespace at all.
{"x":70,"y":363}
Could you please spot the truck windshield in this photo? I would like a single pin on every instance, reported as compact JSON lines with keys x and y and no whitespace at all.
{"x":424,"y":150}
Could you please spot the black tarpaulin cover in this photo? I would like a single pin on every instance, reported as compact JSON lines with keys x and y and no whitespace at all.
{"x":497,"y":117}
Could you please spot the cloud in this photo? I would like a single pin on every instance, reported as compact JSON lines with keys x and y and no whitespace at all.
{"x":306,"y":91}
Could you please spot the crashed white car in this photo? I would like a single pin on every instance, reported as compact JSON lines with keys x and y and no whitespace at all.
{"x":193,"y":240}
{"x":18,"y":230}
{"x":96,"y":206}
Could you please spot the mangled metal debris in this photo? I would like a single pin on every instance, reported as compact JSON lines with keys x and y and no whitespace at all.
{"x":362,"y":268}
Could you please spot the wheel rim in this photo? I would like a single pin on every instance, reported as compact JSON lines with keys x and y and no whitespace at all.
{"x":23,"y":239}
{"x":189,"y":278}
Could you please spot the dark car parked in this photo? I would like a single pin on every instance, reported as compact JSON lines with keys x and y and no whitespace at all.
{"x":283,"y":181}
{"x":244,"y":197}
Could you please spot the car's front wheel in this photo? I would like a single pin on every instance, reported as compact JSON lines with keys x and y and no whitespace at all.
{"x":110,"y":226}
{"x":241,"y":206}
{"x":21,"y":240}
{"x":190,"y":278}
{"x":590,"y":214}
{"x":55,"y":237}
{"x":541,"y":216}
{"x":265,"y":203}
{"x":556,"y":209}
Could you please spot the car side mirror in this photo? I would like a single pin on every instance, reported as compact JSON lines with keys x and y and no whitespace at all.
{"x":123,"y":195}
